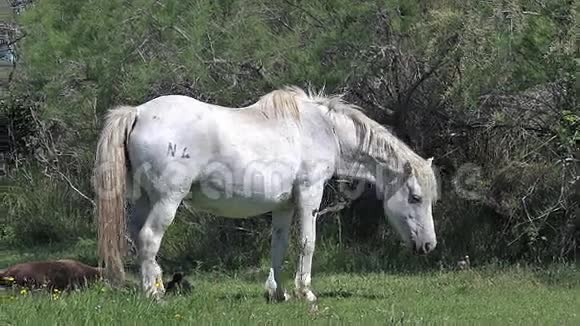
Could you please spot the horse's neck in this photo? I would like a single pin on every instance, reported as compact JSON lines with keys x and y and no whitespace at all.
{"x":352,"y":162}
{"x":356,"y":162}
{"x":372,"y":170}
{"x":356,"y":168}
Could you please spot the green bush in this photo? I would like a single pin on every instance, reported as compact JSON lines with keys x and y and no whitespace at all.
{"x":490,"y":83}
{"x":42,"y":211}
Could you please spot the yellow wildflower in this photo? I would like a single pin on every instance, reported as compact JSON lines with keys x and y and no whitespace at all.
{"x":23,"y":291}
{"x":178,"y":316}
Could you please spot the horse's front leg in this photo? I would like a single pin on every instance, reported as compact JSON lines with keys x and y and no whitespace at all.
{"x":281,"y":220}
{"x":308,"y":202}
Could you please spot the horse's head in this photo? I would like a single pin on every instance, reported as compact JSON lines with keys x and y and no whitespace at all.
{"x":409,"y":208}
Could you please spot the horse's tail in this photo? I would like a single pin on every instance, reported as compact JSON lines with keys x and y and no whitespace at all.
{"x":111,"y":170}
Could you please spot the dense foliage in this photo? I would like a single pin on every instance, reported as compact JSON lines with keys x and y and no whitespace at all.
{"x":487,"y":88}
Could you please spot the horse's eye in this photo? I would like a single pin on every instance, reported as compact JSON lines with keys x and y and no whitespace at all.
{"x":414,"y":199}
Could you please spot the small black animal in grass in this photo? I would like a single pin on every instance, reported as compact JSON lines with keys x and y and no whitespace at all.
{"x":178,"y":285}
{"x":463,"y":263}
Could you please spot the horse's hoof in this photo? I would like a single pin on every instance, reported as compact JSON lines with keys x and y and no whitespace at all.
{"x":285,"y":296}
{"x":310,"y":297}
{"x":272,"y":296}
{"x":154,"y":294}
{"x":267,"y":296}
{"x":305,"y":294}
{"x":313,"y":308}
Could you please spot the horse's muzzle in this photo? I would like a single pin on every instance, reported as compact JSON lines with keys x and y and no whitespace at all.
{"x":423,"y":249}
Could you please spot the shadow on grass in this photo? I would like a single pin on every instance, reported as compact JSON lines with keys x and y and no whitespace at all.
{"x":342,"y":294}
{"x":239,"y":296}
{"x":339,"y":294}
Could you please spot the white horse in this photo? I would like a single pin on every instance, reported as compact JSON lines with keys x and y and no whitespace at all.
{"x":272,"y":156}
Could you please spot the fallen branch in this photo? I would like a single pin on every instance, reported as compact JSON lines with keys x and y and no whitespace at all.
{"x":334,"y":208}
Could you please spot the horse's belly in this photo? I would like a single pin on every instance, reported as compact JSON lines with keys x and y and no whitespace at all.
{"x":236,"y":203}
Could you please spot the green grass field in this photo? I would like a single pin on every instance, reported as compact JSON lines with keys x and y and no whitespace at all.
{"x":485,"y":295}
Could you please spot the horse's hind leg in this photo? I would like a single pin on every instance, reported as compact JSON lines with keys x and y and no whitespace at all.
{"x":281,"y":221}
{"x":139,"y":210}
{"x":161,"y":215}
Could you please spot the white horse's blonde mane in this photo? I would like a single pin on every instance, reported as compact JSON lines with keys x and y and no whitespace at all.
{"x":378,"y":142}
{"x":282,"y":103}
{"x":374,"y":139}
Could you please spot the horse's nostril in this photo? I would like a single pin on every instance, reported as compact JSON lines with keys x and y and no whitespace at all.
{"x":428,"y":246}
{"x":418,"y":250}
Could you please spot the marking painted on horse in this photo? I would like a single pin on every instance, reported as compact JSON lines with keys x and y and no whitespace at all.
{"x":184,"y":154}
{"x":273,"y":156}
{"x":171,"y":149}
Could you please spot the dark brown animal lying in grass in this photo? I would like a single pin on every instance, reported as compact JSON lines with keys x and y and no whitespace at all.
{"x":178,"y":285}
{"x":53,"y":274}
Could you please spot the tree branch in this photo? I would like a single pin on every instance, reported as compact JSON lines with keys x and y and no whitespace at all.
{"x":334,"y":208}
{"x":75,"y":188}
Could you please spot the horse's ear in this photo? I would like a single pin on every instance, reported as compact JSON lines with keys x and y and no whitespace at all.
{"x":408,"y":169}
{"x":430,"y":161}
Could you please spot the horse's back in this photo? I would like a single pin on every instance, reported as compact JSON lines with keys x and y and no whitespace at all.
{"x":181,"y":121}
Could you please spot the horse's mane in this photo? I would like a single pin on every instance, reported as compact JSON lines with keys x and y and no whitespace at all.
{"x":379,"y":142}
{"x":282,"y":103}
{"x":374,"y":139}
